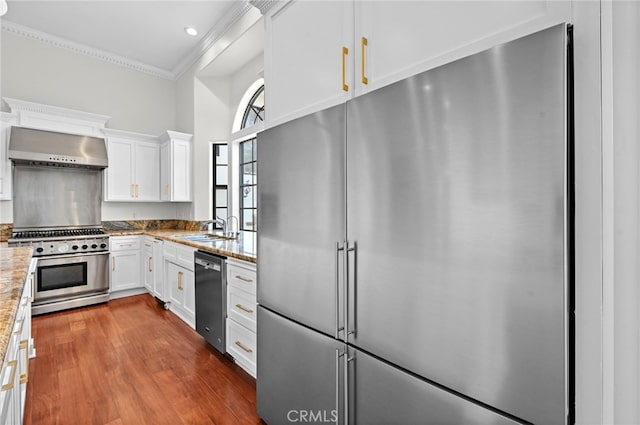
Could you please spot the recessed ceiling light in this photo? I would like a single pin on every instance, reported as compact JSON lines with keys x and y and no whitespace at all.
{"x":191,"y":31}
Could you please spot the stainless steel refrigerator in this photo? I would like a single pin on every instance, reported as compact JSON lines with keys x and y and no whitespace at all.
{"x":415,"y":248}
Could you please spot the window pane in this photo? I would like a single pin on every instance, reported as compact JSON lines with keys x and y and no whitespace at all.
{"x":222,"y":154}
{"x":248,"y":195}
{"x":247,"y":151}
{"x":221,"y":212}
{"x":222,"y":175}
{"x":221,"y":198}
{"x":247,"y":174}
{"x":248,"y":219}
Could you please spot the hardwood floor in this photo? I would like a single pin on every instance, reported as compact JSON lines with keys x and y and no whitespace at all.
{"x":131,"y":362}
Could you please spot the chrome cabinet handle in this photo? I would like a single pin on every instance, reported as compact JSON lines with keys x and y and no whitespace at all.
{"x":243,"y":308}
{"x":113,"y":263}
{"x":244,"y":347}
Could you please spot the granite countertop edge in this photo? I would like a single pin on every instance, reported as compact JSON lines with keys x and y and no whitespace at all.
{"x":229,"y":248}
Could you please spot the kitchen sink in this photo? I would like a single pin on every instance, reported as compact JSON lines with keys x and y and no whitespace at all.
{"x":200,"y":237}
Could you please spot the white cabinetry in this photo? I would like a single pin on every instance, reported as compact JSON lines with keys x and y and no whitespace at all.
{"x":180,"y":281}
{"x":133,"y":174}
{"x":7,"y":120}
{"x":125,"y":263}
{"x":14,"y":375}
{"x":241,"y":313}
{"x":152,"y":267}
{"x":318,"y":54}
{"x":175,"y":166}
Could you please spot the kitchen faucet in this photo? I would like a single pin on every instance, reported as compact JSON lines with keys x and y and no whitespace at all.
{"x":223,"y":223}
{"x":231,"y":233}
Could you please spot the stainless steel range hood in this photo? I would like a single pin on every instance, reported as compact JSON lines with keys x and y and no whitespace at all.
{"x":39,"y":147}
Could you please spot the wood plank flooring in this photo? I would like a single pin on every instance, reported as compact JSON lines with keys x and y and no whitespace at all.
{"x":131,"y":362}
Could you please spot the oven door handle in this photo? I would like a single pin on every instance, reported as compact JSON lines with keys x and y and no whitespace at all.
{"x":78,"y":255}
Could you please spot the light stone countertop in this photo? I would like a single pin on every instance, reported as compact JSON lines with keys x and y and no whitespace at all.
{"x":242,"y":248}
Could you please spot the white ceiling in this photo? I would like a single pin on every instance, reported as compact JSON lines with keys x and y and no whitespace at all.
{"x":149,"y":34}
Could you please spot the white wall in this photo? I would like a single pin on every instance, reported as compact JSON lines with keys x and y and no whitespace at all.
{"x":39,"y":72}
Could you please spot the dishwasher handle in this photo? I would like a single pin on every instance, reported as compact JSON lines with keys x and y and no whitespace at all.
{"x":208,"y":264}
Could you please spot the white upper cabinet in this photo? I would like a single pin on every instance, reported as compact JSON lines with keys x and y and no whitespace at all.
{"x":5,"y":164}
{"x":304,"y":57}
{"x":133,"y":174}
{"x":175,"y":159}
{"x":307,"y":69}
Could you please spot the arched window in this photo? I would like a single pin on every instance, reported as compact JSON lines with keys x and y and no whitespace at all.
{"x":254,"y":112}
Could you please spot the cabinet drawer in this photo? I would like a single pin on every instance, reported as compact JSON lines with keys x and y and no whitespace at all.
{"x":121,"y":244}
{"x":241,"y":278}
{"x":241,"y":307}
{"x":241,"y":344}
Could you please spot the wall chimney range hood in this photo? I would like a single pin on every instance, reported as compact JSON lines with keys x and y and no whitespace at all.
{"x":40,"y":147}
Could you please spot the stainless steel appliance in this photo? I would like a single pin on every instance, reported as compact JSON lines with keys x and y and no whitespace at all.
{"x":211,"y":298}
{"x":73,"y":267}
{"x":415,"y":249}
{"x":57,"y":211}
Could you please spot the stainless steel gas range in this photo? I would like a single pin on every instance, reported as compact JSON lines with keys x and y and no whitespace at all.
{"x":72,"y":267}
{"x":57,"y":188}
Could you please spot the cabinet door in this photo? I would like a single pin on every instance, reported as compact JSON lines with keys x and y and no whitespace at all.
{"x":407,"y":37}
{"x":147,"y":266}
{"x":147,"y":172}
{"x":5,"y":163}
{"x":181,"y":171}
{"x":120,"y":172}
{"x":158,"y":272}
{"x":125,"y":270}
{"x":304,"y":59}
{"x":188,"y":283}
{"x":165,"y":171}
{"x":175,"y":284}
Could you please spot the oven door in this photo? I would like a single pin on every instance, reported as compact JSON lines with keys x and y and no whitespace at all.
{"x":68,"y":276}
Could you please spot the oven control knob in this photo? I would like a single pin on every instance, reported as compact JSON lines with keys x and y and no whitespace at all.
{"x":40,"y":249}
{"x":103,"y":245}
{"x":84,"y":247}
{"x":94,"y":246}
{"x":75,"y":247}
{"x":63,"y":247}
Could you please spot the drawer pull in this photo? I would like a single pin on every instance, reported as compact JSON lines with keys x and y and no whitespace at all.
{"x":345,"y":52}
{"x":243,"y":279}
{"x":241,"y":307}
{"x":364,"y":43}
{"x":24,"y":377}
{"x":244,"y":347}
{"x":19,"y":330}
{"x":13,"y":364}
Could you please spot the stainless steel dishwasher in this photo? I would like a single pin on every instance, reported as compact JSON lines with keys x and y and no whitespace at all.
{"x":211,"y":298}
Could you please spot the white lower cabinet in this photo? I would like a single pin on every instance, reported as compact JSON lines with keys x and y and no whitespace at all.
{"x":180,"y":281}
{"x":241,"y":313}
{"x":125,"y":263}
{"x":152,"y":267}
{"x":14,"y":375}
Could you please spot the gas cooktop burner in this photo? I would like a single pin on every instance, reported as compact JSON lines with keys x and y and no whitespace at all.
{"x":38,"y":234}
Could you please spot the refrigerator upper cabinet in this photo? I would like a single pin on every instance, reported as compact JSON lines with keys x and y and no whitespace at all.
{"x":457,"y":177}
{"x":374,"y":386}
{"x":301,"y":373}
{"x":301,"y":207}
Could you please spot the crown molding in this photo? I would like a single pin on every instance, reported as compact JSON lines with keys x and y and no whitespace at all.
{"x":263,"y":5}
{"x":239,"y":9}
{"x":22,"y":106}
{"x":63,"y":43}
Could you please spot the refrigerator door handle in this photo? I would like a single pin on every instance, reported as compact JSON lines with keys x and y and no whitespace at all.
{"x":346,"y":359}
{"x":337,"y":265}
{"x":338,"y":355}
{"x":349,"y":301}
